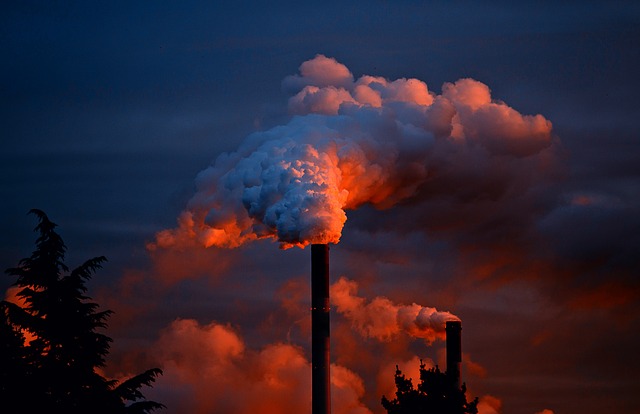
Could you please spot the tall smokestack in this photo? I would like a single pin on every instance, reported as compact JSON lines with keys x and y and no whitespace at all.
{"x":454,"y":350}
{"x":320,"y":378}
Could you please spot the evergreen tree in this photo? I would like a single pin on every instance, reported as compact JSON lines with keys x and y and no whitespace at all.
{"x":13,"y":361}
{"x":436,"y":393}
{"x":56,"y":370}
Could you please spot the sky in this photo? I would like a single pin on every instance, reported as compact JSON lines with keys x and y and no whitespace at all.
{"x":475,"y":160}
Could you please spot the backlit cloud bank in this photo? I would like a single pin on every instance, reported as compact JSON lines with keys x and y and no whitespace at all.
{"x":210,"y":369}
{"x":352,"y":142}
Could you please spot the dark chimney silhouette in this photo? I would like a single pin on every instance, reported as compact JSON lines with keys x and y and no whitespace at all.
{"x":454,"y":350}
{"x":320,"y":330}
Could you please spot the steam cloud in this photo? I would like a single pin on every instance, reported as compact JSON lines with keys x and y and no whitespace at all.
{"x":489,"y":404}
{"x":210,"y":369}
{"x":382,"y":319}
{"x":348,"y":143}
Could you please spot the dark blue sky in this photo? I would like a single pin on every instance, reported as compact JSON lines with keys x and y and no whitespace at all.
{"x":109,"y":110}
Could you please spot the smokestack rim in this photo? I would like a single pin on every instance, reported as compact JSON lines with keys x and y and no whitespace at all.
{"x":453,"y":325}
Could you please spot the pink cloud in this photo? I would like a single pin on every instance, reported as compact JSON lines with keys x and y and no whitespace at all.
{"x":467,"y":92}
{"x":325,"y":101}
{"x":321,"y":71}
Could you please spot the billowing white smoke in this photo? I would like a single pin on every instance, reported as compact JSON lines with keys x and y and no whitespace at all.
{"x":382,"y":319}
{"x":350,"y":142}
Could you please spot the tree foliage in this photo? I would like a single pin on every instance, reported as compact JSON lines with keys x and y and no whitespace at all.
{"x":55,"y":369}
{"x":436,"y":393}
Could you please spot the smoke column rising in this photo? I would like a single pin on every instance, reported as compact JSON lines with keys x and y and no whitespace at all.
{"x":349,"y":142}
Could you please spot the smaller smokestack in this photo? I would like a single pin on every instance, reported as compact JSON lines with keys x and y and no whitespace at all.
{"x":454,"y":350}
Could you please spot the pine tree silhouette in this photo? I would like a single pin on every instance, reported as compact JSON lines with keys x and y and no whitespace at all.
{"x":56,"y":370}
{"x":436,"y":393}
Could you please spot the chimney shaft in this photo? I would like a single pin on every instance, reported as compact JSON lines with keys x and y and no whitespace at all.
{"x":454,"y":350}
{"x":320,"y":331}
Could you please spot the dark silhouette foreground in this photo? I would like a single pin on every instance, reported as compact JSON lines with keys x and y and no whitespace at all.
{"x":437,"y":393}
{"x":50,"y":347}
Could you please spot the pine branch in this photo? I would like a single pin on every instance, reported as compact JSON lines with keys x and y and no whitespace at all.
{"x":129,"y":390}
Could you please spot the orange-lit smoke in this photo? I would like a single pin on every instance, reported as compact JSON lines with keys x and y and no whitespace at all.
{"x":350,"y":142}
{"x":382,"y":319}
{"x":208,"y":368}
{"x":489,"y":404}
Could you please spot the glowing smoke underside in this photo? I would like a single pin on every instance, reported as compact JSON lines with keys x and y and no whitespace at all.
{"x":350,"y":142}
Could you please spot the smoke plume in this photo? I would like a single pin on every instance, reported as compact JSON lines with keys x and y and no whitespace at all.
{"x":349,"y":142}
{"x":489,"y":404}
{"x":382,"y":319}
{"x":210,"y":369}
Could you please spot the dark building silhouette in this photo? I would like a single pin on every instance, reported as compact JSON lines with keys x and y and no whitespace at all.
{"x":320,"y":330}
